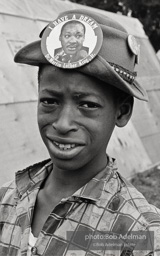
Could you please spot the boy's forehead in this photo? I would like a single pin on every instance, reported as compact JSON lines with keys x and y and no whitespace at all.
{"x":55,"y":78}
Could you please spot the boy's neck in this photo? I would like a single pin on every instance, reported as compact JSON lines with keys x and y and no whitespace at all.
{"x":64,"y":183}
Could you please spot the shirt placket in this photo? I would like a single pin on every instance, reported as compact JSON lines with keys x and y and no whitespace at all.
{"x":24,"y":209}
{"x":53,"y":222}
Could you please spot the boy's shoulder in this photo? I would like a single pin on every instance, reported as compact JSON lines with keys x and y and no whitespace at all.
{"x":9,"y":190}
{"x":124,"y":201}
{"x":136,"y":202}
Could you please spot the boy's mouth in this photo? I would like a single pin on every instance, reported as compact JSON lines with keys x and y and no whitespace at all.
{"x":64,"y":146}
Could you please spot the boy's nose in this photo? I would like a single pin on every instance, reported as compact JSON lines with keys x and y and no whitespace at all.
{"x":65,"y":121}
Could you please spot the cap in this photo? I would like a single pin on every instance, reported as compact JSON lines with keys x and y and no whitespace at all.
{"x":92,"y":44}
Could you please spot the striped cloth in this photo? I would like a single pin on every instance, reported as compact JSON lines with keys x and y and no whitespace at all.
{"x":83,"y":224}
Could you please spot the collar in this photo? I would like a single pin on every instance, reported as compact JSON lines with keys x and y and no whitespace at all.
{"x":93,"y":190}
{"x":33,"y":176}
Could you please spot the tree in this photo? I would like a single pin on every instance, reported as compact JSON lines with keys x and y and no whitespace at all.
{"x":147,"y":11}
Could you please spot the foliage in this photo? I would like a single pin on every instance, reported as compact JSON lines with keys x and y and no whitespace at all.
{"x":147,"y":183}
{"x":147,"y":11}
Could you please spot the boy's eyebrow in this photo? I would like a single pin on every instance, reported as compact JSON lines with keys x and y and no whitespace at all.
{"x":81,"y":94}
{"x":85,"y":94}
{"x":52,"y":92}
{"x":78,"y":95}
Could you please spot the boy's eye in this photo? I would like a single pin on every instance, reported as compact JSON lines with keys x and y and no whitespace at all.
{"x":90,"y":105}
{"x":48,"y":101}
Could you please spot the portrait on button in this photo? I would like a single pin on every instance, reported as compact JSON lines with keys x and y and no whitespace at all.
{"x":71,"y":41}
{"x":72,"y":38}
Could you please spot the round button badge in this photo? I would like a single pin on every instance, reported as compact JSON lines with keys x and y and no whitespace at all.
{"x":134,"y":47}
{"x":71,"y":41}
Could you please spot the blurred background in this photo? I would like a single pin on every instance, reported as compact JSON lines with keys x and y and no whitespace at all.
{"x":147,"y":11}
{"x":137,"y":146}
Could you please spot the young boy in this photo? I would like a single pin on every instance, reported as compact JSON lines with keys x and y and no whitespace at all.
{"x":76,"y":203}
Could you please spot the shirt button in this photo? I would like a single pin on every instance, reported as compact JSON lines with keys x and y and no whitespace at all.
{"x":34,"y":250}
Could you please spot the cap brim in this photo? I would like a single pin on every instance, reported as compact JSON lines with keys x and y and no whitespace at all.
{"x":31,"y":54}
{"x":102,"y":70}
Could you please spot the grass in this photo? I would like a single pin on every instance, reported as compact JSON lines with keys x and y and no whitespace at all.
{"x":148,"y":183}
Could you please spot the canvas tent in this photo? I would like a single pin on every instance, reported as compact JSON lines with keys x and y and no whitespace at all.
{"x":136,"y":147}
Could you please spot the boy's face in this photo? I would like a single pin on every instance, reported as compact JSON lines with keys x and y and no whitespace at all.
{"x":76,"y":117}
{"x":72,"y":38}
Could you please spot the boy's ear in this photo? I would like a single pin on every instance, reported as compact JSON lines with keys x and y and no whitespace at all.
{"x":124,"y":111}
